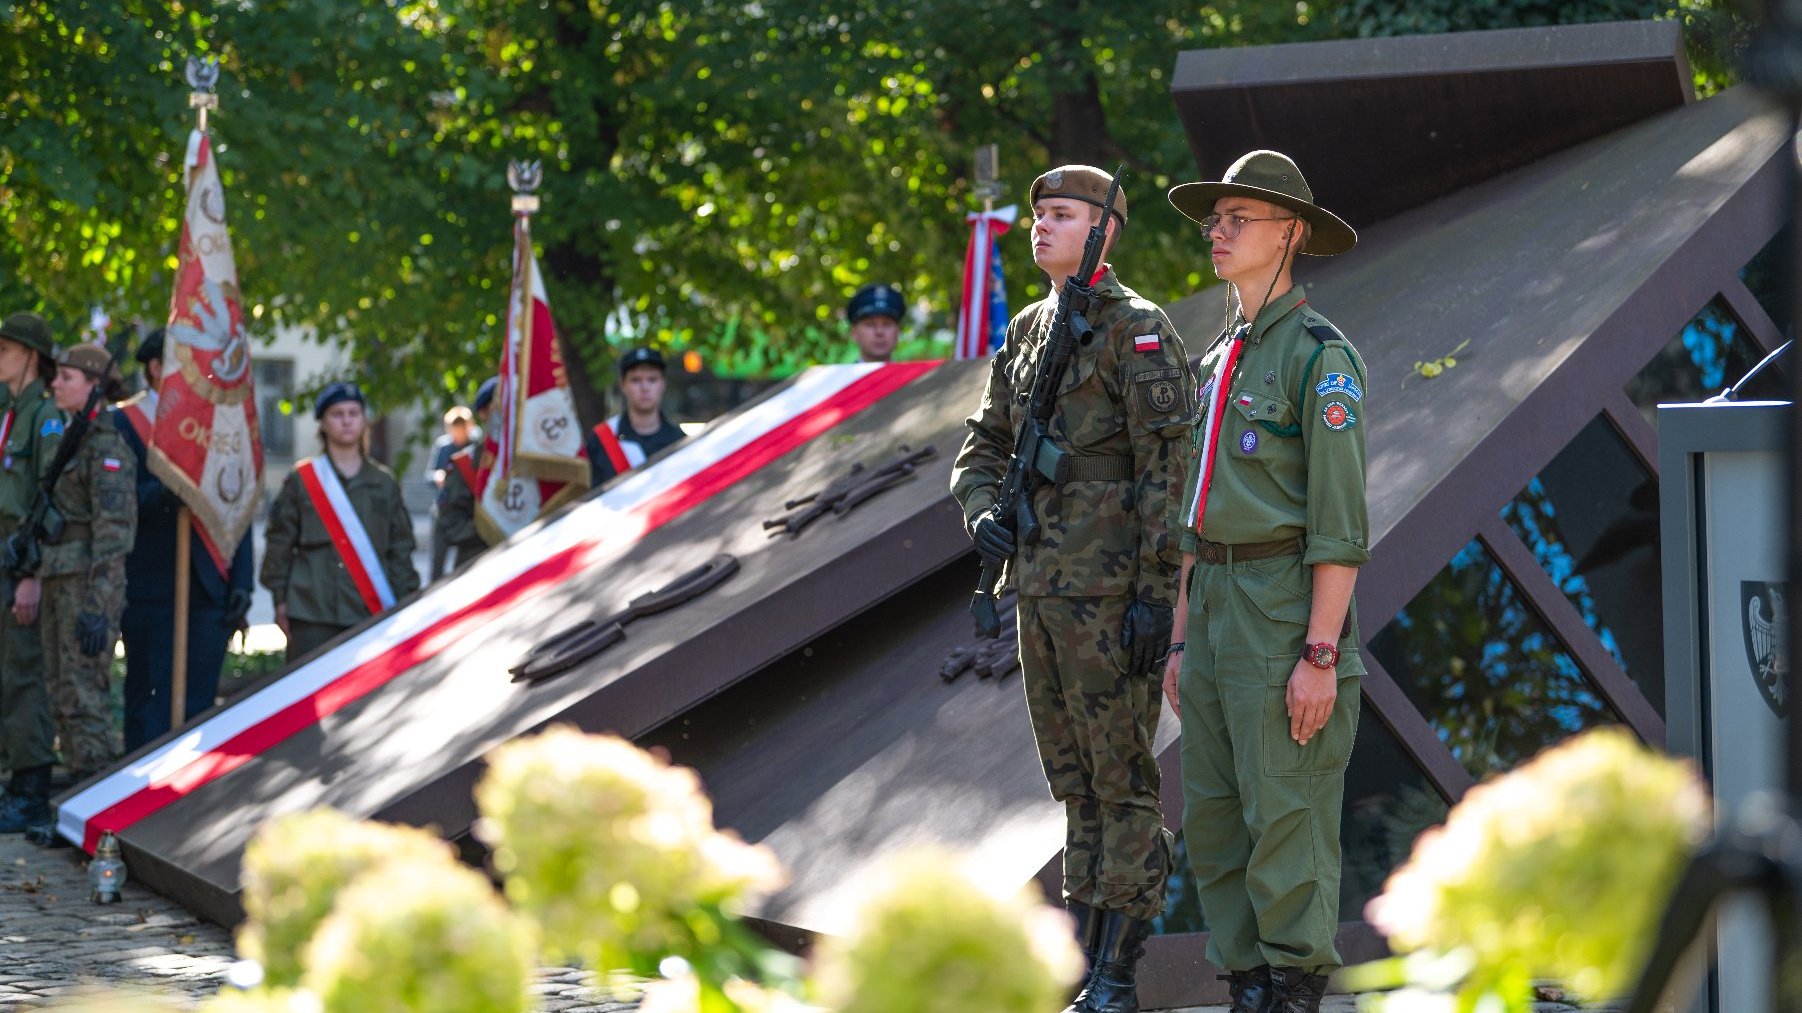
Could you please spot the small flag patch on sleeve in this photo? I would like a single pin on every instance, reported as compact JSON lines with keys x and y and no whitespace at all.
{"x":1147,"y":342}
{"x":110,"y":463}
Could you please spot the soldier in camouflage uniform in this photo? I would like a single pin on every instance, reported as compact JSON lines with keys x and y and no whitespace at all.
{"x":83,"y":570}
{"x":29,"y":435}
{"x":1275,"y":525}
{"x":1097,"y":588}
{"x":457,"y":508}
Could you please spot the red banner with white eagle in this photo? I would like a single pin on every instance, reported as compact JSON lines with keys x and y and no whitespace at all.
{"x":533,"y":456}
{"x":205,"y":445}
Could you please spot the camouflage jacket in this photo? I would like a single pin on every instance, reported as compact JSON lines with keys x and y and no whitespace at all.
{"x":301,"y":566}
{"x":31,"y":439}
{"x":457,"y":507}
{"x":97,"y":496}
{"x":1125,"y":396}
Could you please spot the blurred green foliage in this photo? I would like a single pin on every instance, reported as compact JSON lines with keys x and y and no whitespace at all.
{"x":719,"y":176}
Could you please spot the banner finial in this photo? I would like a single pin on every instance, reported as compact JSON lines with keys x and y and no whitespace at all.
{"x":203,"y":78}
{"x":524,"y":178}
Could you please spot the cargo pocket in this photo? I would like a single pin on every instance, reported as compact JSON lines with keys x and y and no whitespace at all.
{"x":1087,"y":413}
{"x":1329,"y":751}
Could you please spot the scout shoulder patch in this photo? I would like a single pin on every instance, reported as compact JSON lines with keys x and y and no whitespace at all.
{"x":1339,"y":383}
{"x":1158,"y":389}
{"x":1319,"y":326}
{"x":1337,"y":416}
{"x":51,"y":427}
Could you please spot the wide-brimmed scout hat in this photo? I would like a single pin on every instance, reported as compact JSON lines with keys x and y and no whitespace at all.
{"x":90,"y":359}
{"x":30,"y":330}
{"x":1078,"y":182}
{"x":1269,"y":176}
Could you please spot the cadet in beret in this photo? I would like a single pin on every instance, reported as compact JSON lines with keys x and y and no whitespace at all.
{"x":29,"y":435}
{"x":627,"y":440}
{"x":217,"y":605}
{"x":322,"y":587}
{"x":1267,"y":683}
{"x":875,"y":313}
{"x":83,"y":570}
{"x":1098,"y":588}
{"x":457,"y":499}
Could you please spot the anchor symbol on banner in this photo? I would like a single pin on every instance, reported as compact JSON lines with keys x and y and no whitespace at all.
{"x":515,"y":500}
{"x":552,"y":427}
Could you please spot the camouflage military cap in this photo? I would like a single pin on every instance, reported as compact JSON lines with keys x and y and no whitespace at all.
{"x":30,"y":330}
{"x":1079,"y":182}
{"x":90,"y":359}
{"x":1273,"y":177}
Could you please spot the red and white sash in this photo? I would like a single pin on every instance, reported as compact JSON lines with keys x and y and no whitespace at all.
{"x":320,"y":480}
{"x":466,"y":466}
{"x":1210,"y":441}
{"x":624,"y":455}
{"x":140,"y":411}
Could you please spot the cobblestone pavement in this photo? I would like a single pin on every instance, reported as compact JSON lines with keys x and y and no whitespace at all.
{"x":54,"y":943}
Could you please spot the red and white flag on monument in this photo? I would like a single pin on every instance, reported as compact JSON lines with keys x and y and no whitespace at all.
{"x":205,"y":445}
{"x":533,"y":458}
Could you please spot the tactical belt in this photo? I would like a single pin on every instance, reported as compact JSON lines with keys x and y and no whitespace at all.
{"x":1220,"y":555}
{"x":1062,"y":467}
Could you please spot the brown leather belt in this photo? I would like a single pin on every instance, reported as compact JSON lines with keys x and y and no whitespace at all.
{"x":1221,"y":555}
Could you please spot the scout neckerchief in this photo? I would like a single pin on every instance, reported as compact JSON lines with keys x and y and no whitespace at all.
{"x":346,"y":530}
{"x":624,"y":455}
{"x":140,"y":411}
{"x":1210,"y":442}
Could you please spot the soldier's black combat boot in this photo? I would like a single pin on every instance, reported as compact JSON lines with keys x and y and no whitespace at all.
{"x":1114,"y":987}
{"x":1088,"y":936}
{"x":28,"y":802}
{"x":1295,"y":990}
{"x":1250,"y":990}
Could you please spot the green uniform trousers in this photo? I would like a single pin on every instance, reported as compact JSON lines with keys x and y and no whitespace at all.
{"x":24,"y":703}
{"x":80,"y":687}
{"x":304,"y":637}
{"x":1261,"y":813}
{"x":1094,"y":725}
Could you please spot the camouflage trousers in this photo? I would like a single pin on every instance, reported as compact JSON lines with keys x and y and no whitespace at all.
{"x":79,"y":684}
{"x":1261,"y":813}
{"x":30,"y":736}
{"x":1094,"y":725}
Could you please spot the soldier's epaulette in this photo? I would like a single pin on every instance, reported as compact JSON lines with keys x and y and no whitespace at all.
{"x":1322,"y":328}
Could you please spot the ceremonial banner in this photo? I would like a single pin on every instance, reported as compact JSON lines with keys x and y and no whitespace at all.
{"x":982,"y":315}
{"x":206,"y":446}
{"x":533,"y":458}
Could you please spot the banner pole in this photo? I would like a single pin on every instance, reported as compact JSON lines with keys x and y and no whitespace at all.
{"x":178,"y":674}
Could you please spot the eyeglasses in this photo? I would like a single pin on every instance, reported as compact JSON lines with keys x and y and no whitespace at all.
{"x":1229,"y":225}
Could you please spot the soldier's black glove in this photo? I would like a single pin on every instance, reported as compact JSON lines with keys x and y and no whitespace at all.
{"x":90,"y":633}
{"x":994,"y":543}
{"x":236,"y":615}
{"x":1145,"y":634}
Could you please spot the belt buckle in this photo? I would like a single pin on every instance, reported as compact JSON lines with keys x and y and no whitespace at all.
{"x":1213,"y":552}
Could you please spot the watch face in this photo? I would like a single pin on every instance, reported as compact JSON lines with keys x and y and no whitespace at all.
{"x":1323,"y":655}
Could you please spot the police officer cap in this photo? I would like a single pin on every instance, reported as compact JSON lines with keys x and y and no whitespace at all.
{"x":30,"y":330}
{"x":90,"y":359}
{"x":640,"y":357}
{"x":485,"y":393}
{"x":335,"y":393}
{"x":1079,"y":182}
{"x":877,"y":299}
{"x":151,"y":347}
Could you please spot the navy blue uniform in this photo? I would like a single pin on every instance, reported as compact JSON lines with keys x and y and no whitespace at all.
{"x":148,"y":625}
{"x":600,"y":467}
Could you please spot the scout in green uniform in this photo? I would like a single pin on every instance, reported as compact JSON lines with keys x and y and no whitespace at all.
{"x":83,"y":568}
{"x":1265,"y":671}
{"x":315,"y":596}
{"x":32,"y":428}
{"x":1098,"y":587}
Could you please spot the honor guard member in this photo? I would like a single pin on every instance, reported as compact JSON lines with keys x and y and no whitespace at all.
{"x":83,"y":565}
{"x":457,"y":500}
{"x":1265,"y":671}
{"x":1098,"y":587}
{"x":628,"y":439}
{"x":218,"y":603}
{"x":30,"y":429}
{"x":339,"y":544}
{"x":875,"y":313}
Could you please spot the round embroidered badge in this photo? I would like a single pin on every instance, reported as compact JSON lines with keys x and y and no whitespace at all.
{"x":1337,"y":416}
{"x":1248,"y":441}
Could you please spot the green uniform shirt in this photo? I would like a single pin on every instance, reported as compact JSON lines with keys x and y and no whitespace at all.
{"x":1126,"y":395}
{"x":37,"y":428}
{"x":301,"y":566}
{"x":97,"y":496}
{"x":1291,"y":457}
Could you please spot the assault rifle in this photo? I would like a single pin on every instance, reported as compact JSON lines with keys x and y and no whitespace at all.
{"x":43,"y":524}
{"x":1036,"y":455}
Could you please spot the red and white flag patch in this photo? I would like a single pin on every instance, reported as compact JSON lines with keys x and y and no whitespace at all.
{"x":1147,"y":342}
{"x":110,"y":463}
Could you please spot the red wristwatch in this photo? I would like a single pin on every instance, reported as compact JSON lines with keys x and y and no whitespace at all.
{"x":1322,"y":655}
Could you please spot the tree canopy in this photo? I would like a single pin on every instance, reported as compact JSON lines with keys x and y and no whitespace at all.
{"x":718,"y":176}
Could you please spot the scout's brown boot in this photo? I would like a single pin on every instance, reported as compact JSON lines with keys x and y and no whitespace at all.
{"x":1114,"y":986}
{"x":1295,"y":990}
{"x":1250,"y":990}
